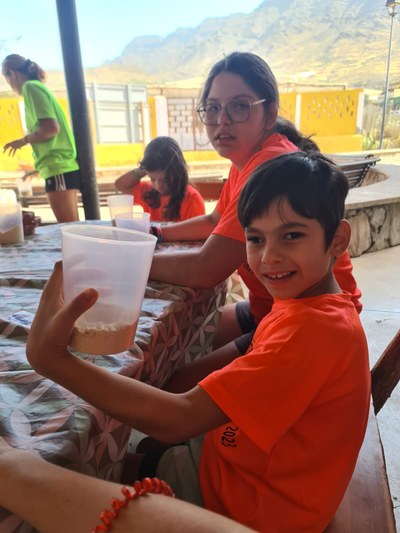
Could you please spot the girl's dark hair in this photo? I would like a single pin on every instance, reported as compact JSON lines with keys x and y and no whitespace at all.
{"x":313,"y":185}
{"x":252,"y":69}
{"x":164,"y":153}
{"x":289,"y":130}
{"x":258,"y":75}
{"x":25,"y":66}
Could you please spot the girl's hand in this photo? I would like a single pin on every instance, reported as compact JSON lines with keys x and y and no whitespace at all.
{"x":53,"y":324}
{"x":13,"y":146}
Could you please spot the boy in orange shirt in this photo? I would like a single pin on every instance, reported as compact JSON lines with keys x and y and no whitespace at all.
{"x":284,"y":423}
{"x":298,"y":400}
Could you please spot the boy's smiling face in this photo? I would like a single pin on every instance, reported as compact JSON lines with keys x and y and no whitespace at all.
{"x":287,"y":252}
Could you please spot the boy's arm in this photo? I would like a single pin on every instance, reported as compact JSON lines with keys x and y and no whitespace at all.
{"x":187,"y":377}
{"x":163,"y":415}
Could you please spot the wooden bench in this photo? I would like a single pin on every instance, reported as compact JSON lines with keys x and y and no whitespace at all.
{"x":210,"y":183}
{"x":367,"y":506}
{"x":39,"y":196}
{"x":209,"y":187}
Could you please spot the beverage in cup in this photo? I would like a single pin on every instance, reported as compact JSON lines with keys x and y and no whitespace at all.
{"x":116,"y":262}
{"x":135,"y":220}
{"x":119,"y":203}
{"x":11,"y":226}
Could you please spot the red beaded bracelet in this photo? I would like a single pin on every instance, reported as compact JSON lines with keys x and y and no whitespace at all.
{"x":140,"y":488}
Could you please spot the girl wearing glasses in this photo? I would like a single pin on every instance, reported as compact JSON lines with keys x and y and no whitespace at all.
{"x":49,"y":135}
{"x":168,"y":195}
{"x":239,"y":107}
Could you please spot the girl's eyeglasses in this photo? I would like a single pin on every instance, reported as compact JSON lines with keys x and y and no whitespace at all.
{"x":236,"y":111}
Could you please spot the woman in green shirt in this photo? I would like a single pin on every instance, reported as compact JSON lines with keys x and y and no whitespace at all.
{"x":52,"y":142}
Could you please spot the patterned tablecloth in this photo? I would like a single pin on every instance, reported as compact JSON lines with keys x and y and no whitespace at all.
{"x":177,"y":324}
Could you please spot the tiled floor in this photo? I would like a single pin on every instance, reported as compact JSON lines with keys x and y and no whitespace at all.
{"x":378,"y":276}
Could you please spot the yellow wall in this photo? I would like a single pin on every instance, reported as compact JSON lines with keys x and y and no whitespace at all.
{"x":152,"y":114}
{"x":114,"y":155}
{"x":10,"y":121}
{"x":339,"y":143}
{"x":118,"y":155}
{"x":330,"y":114}
{"x":287,"y":106}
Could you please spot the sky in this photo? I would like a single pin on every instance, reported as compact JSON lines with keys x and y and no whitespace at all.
{"x":30,"y":27}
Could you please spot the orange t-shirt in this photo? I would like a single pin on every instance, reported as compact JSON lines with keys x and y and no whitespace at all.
{"x":191,"y":206}
{"x":229,"y":226}
{"x":298,"y":401}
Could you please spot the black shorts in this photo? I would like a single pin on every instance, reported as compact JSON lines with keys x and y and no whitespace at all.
{"x":64,"y":182}
{"x":247,"y":325}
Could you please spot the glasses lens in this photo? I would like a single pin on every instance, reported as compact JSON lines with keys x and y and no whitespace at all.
{"x":201,"y":112}
{"x":209,"y":114}
{"x":238,"y":110}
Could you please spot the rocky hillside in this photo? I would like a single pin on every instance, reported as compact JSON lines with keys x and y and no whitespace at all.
{"x":313,"y":41}
{"x":304,"y":41}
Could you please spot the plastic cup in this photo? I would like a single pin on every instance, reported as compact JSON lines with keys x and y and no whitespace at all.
{"x":24,"y":187}
{"x":116,"y":262}
{"x":11,"y":226}
{"x":135,"y":221}
{"x":119,"y":203}
{"x":7,"y":196}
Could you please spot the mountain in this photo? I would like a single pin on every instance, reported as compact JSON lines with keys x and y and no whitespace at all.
{"x":321,"y":42}
{"x":317,"y":41}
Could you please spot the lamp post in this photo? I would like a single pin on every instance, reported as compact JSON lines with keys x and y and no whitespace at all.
{"x":391,"y":6}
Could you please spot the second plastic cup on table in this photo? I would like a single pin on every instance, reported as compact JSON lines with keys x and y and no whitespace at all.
{"x":119,"y":203}
{"x":136,"y":221}
{"x":116,"y":262}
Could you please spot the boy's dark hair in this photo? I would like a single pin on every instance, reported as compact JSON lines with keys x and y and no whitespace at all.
{"x":164,"y":153}
{"x":313,"y":185}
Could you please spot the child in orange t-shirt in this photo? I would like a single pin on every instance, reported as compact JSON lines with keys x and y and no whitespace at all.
{"x":167,"y":196}
{"x":298,"y":400}
{"x":284,"y":423}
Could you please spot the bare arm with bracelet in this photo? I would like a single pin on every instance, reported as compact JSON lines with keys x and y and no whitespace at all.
{"x":52,"y":498}
{"x":127,"y":181}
